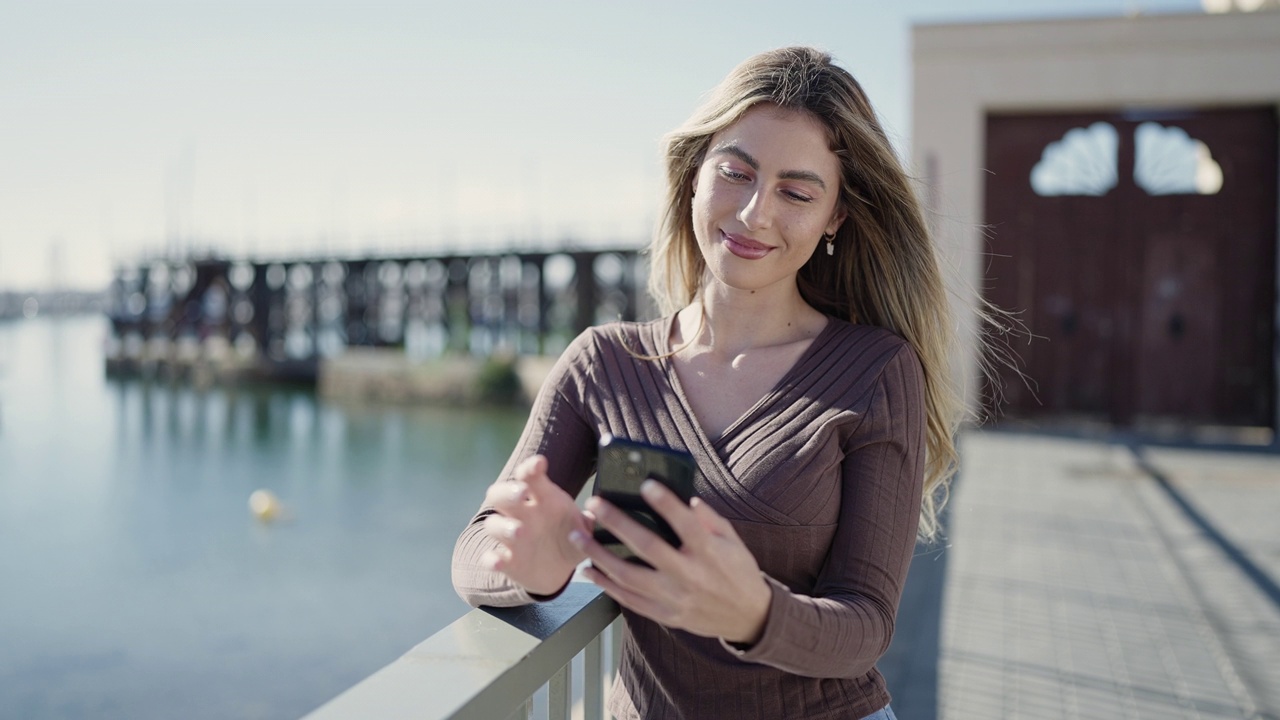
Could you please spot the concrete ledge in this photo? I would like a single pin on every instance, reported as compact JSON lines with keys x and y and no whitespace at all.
{"x":389,"y":375}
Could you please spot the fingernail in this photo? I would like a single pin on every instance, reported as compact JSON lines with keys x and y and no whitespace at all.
{"x":650,"y":489}
{"x":576,"y":538}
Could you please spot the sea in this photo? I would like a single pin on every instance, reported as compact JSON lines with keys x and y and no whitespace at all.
{"x":135,"y":582}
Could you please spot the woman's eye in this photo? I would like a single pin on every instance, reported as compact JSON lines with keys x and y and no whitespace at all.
{"x":731,"y":174}
{"x":797,"y":196}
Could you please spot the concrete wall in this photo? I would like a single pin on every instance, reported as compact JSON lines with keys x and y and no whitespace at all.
{"x":962,"y":72}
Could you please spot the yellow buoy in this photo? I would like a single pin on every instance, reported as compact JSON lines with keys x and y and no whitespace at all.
{"x":264,"y":505}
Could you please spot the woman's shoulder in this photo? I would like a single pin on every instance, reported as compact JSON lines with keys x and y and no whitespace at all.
{"x":585,"y":362}
{"x":852,"y":334}
{"x":626,"y":337}
{"x":865,"y":352}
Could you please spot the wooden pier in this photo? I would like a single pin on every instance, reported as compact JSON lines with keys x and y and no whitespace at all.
{"x":216,"y":318}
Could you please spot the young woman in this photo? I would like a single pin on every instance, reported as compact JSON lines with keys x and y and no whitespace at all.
{"x":803,"y":364}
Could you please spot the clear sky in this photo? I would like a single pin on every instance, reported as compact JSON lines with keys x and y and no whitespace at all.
{"x":259,"y":127}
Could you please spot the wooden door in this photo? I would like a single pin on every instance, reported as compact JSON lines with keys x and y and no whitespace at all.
{"x":1178,"y":329}
{"x":1144,"y":263}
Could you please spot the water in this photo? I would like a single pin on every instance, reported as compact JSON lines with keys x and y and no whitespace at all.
{"x":134,"y":582}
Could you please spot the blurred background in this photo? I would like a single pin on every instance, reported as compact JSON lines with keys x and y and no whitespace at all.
{"x":290,"y":249}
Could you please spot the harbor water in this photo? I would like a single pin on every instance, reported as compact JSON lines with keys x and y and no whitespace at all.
{"x":135,"y":582}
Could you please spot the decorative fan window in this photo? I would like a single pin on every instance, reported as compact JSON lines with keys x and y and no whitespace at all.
{"x":1083,"y":162}
{"x":1167,"y":161}
{"x":1170,"y":162}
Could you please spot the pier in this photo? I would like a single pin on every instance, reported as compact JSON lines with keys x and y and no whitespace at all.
{"x":218,"y":317}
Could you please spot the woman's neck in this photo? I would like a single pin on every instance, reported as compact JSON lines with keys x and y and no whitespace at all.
{"x":730,"y":321}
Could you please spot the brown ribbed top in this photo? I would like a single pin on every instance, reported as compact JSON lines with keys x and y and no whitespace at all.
{"x":822,"y":480}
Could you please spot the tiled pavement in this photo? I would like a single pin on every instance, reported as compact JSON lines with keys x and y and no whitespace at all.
{"x":1086,"y":580}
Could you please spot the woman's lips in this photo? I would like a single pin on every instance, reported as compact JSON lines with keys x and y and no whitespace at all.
{"x":744,"y":247}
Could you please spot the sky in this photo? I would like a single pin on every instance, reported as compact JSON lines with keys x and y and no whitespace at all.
{"x":267,"y":129}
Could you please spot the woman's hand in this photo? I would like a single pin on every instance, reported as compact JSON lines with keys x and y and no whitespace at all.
{"x":532,"y":521}
{"x":709,"y":586}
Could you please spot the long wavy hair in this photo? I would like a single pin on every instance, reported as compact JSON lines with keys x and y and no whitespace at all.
{"x":885,"y":271}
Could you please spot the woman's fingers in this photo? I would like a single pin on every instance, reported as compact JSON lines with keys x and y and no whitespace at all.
{"x":712,"y":520}
{"x":499,"y":559}
{"x":531,"y":468}
{"x":648,"y":546}
{"x":529,"y":486}
{"x":533,"y":473}
{"x":673,"y":510}
{"x":628,"y":598}
{"x":710,"y":586}
{"x":501,"y":528}
{"x":620,"y":572}
{"x":508,"y":497}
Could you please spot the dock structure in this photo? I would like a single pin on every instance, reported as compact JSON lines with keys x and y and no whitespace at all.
{"x":278,"y":319}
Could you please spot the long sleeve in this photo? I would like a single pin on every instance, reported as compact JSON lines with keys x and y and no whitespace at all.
{"x":845,"y":623}
{"x":557,"y":429}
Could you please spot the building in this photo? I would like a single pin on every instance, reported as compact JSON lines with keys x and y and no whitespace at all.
{"x":1114,"y":182}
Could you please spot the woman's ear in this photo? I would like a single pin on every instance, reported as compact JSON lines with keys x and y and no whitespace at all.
{"x":836,"y":221}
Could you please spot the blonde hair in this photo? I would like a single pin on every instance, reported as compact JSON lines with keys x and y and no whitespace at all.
{"x":884,"y":271}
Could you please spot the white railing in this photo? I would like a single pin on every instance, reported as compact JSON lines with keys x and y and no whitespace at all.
{"x":492,"y":663}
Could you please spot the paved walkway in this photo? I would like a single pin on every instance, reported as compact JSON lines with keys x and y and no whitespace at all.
{"x":1089,"y":580}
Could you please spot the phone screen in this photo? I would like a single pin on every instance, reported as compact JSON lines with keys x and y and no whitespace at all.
{"x":622,"y":466}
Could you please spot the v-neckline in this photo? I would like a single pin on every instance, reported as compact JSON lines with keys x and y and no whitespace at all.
{"x":732,"y":428}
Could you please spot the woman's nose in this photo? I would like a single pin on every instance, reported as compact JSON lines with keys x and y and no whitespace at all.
{"x":756,"y":214}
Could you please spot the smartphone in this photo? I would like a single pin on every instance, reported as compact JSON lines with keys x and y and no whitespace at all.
{"x":622,"y":465}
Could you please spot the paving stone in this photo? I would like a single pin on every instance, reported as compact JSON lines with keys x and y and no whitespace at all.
{"x":1075,"y":587}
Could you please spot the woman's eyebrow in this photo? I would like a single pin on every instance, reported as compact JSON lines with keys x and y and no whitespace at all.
{"x":804,"y":175}
{"x":734,"y":150}
{"x":744,"y":156}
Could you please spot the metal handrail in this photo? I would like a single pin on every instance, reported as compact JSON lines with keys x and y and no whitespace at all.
{"x":489,"y":663}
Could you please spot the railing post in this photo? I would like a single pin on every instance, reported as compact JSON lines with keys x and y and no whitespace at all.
{"x":615,"y":647}
{"x":524,"y":712}
{"x":593,"y":680}
{"x":558,"y":697}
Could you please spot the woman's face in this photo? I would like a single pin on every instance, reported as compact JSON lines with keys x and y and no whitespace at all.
{"x":764,"y":196}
